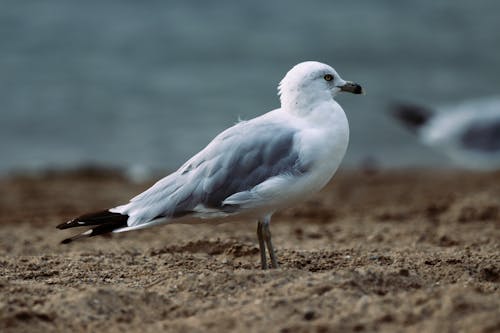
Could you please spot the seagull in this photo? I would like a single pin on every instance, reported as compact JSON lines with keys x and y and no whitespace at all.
{"x":251,"y":169}
{"x":469,"y":133}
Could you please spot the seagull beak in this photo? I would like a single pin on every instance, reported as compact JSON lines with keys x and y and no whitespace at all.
{"x":352,"y":88}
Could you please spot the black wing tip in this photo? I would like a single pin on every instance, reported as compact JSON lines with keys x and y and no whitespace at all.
{"x":93,"y":219}
{"x":66,"y":225}
{"x":66,"y":241}
{"x":411,"y":115}
{"x":102,"y":222}
{"x":102,"y":229}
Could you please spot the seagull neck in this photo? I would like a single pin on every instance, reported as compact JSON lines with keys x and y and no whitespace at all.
{"x":304,"y":106}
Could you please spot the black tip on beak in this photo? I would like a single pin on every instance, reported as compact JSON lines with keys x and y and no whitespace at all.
{"x":358,"y":89}
{"x":352,"y":87}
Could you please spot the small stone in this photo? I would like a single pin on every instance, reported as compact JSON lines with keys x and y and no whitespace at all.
{"x":309,"y":315}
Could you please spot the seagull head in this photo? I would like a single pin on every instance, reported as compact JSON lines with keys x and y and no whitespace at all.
{"x":311,"y":82}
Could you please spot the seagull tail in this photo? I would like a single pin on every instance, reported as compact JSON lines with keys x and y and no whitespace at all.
{"x":102,"y":222}
{"x":412,"y":116}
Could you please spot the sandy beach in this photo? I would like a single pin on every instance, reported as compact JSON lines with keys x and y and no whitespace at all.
{"x":378,"y":251}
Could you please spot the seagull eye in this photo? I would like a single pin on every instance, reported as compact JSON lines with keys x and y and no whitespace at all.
{"x":328,"y":77}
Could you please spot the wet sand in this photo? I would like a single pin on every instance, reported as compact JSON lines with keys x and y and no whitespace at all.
{"x":391,"y":251}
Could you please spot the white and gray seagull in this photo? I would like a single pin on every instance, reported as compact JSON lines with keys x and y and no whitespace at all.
{"x":252,"y":169}
{"x":469,"y":133}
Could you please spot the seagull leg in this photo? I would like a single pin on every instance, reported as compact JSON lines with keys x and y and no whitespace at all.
{"x":262,"y":246}
{"x":267,"y":238}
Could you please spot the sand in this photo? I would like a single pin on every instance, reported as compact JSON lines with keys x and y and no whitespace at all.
{"x":378,"y":251}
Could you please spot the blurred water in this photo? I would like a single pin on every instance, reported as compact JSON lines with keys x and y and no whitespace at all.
{"x":149,"y":83}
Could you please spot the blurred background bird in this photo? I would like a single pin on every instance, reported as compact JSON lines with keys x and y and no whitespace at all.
{"x":469,"y":133}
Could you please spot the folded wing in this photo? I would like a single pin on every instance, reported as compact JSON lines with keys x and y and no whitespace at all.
{"x":234,"y":163}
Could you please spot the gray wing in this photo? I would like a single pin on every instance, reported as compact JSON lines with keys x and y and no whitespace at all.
{"x":237,"y":160}
{"x":483,"y":137}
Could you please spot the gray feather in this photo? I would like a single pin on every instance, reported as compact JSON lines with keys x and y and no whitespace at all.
{"x":482,"y":137}
{"x":236,"y":165}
